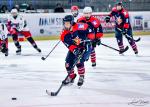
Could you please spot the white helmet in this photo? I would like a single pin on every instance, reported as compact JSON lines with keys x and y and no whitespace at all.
{"x":14,"y":11}
{"x":87,"y":10}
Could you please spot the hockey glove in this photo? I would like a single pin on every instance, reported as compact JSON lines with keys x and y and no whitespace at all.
{"x":76,"y":51}
{"x":107,"y":19}
{"x":124,"y":31}
{"x":96,"y":42}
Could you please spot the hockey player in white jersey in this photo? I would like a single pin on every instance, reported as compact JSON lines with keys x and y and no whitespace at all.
{"x":18,"y":25}
{"x":3,"y":39}
{"x":75,"y":13}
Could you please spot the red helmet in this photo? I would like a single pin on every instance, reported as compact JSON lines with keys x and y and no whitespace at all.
{"x":73,"y":8}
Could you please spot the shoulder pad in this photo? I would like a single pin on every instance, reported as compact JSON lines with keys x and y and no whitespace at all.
{"x":125,"y":13}
{"x":114,"y":9}
{"x":63,"y":34}
{"x":95,"y":21}
{"x":82,"y":19}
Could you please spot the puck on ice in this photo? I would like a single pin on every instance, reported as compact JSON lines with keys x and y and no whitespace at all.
{"x":14,"y":98}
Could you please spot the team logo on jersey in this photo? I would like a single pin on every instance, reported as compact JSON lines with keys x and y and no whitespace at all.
{"x":125,"y":13}
{"x":94,"y":22}
{"x":80,"y":26}
{"x":119,"y":20}
{"x":77,"y":40}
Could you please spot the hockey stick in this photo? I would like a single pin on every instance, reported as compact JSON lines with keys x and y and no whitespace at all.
{"x":43,"y":58}
{"x":110,"y":47}
{"x":126,"y":48}
{"x":62,"y":84}
{"x":128,"y":36}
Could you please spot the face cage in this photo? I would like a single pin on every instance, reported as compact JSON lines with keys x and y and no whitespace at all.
{"x":71,"y":23}
{"x":75,"y":13}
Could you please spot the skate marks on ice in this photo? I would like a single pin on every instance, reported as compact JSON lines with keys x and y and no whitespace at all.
{"x":31,"y":54}
{"x":115,"y":82}
{"x":125,"y":58}
{"x":8,"y":66}
{"x":115,"y":76}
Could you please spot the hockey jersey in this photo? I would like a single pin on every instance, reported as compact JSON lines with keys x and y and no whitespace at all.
{"x":18,"y":23}
{"x":95,"y":25}
{"x":78,"y":31}
{"x":76,"y":18}
{"x":121,"y":18}
{"x":3,"y":31}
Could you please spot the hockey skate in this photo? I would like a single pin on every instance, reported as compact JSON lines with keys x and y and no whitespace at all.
{"x":93,"y":64}
{"x":6,"y":53}
{"x":38,"y":49}
{"x":69,"y":80}
{"x":135,"y":51}
{"x":80,"y":81}
{"x":18,"y":51}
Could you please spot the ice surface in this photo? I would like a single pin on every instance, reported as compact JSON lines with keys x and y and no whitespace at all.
{"x":117,"y":81}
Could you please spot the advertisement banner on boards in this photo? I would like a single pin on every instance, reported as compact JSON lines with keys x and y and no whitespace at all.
{"x":47,"y":24}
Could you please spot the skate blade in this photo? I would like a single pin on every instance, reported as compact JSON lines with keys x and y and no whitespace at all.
{"x":19,"y":53}
{"x":137,"y":55}
{"x":122,"y":54}
{"x":79,"y":87}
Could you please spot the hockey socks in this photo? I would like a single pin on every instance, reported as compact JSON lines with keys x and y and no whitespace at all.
{"x":93,"y":58}
{"x":30,"y":39}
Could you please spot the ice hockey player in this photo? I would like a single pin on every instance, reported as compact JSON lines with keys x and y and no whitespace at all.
{"x":76,"y":37}
{"x":75,"y":13}
{"x":18,"y":25}
{"x":3,"y":39}
{"x":122,"y":26}
{"x":96,"y":25}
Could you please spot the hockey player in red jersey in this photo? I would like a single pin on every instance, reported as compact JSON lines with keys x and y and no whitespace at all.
{"x":123,"y":26}
{"x":3,"y":39}
{"x":17,"y":25}
{"x":95,"y":24}
{"x":76,"y":37}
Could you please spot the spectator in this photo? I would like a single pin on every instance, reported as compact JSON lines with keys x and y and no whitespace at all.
{"x":17,"y":7}
{"x":59,"y":8}
{"x":30,"y":7}
{"x":4,"y":9}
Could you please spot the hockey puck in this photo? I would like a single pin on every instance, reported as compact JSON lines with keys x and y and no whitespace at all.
{"x":14,"y":98}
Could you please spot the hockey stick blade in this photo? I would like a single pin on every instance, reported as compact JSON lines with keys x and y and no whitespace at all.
{"x":42,"y":58}
{"x":51,"y":93}
{"x":55,"y":93}
{"x":125,"y":49}
{"x":137,"y":40}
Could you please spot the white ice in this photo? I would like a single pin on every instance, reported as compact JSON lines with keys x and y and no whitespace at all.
{"x":117,"y":80}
